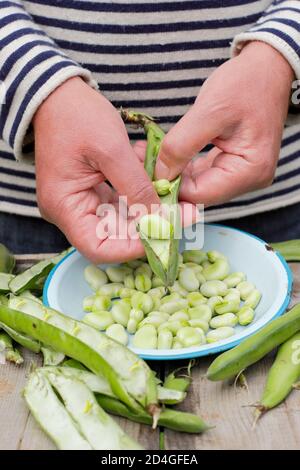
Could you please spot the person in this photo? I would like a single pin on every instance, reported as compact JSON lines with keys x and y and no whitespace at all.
{"x":213,"y":73}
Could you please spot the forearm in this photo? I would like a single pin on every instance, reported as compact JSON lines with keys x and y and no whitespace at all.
{"x":32,"y":66}
{"x":280,"y":28}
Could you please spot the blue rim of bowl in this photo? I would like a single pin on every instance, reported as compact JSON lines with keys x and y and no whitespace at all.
{"x":216,"y":349}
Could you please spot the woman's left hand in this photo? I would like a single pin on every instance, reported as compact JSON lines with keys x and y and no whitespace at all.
{"x":241,"y":110}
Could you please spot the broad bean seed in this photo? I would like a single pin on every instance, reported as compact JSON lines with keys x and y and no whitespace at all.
{"x":253,"y":299}
{"x":117,"y":273}
{"x":227,"y":306}
{"x":145,"y":338}
{"x":144,"y":268}
{"x":180,"y":315}
{"x":100,"y":320}
{"x":189,"y":336}
{"x":176,"y":287}
{"x":202,"y":312}
{"x":164,"y":339}
{"x":113,"y":289}
{"x":175,"y":325}
{"x":245,"y":315}
{"x":198,"y":323}
{"x":88,"y":302}
{"x":141,"y":301}
{"x":213,"y":288}
{"x":143,"y":282}
{"x":101,"y":302}
{"x":194,"y":256}
{"x":213,"y":301}
{"x":159,"y":292}
{"x":217,"y":270}
{"x":137,"y":315}
{"x":234,"y":279}
{"x":245,"y":288}
{"x":174,"y":305}
{"x":155,"y":226}
{"x":220,"y":333}
{"x":233,"y":294}
{"x":125,"y":292}
{"x":120,"y":312}
{"x":227,"y":319}
{"x":196,"y":298}
{"x":118,"y":333}
{"x":213,"y":255}
{"x":95,"y":277}
{"x":129,"y":281}
{"x":188,"y":280}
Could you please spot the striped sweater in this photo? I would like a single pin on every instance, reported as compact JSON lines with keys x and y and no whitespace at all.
{"x":143,"y":54}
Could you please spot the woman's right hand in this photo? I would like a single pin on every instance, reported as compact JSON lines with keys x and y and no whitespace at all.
{"x":80,"y":141}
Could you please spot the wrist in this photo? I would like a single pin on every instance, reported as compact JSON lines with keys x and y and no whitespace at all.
{"x":65,"y":91}
{"x":267,"y":55}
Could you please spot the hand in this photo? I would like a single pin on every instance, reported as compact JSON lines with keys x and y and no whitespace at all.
{"x":241,"y":110}
{"x":80,"y":141}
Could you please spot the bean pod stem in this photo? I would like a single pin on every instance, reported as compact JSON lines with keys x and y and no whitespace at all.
{"x":163,"y":255}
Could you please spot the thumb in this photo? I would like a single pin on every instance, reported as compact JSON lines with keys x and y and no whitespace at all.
{"x":129,"y":178}
{"x":192,"y":133}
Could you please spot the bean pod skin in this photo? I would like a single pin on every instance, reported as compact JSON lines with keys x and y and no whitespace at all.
{"x":252,"y":349}
{"x":283,"y":374}
{"x":169,"y":418}
{"x":87,"y":345}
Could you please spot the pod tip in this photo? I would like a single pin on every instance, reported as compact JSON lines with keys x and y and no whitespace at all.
{"x":259,"y":411}
{"x":154,"y":411}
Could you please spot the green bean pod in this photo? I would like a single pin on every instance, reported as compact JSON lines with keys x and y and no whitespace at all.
{"x":6,"y":347}
{"x":5,"y":280}
{"x":130,"y":377}
{"x":51,"y":357}
{"x":283,"y":374}
{"x":7,"y":260}
{"x":162,"y":254}
{"x":32,"y":277}
{"x":168,"y":418}
{"x":23,"y":340}
{"x":290,"y":249}
{"x":252,"y":349}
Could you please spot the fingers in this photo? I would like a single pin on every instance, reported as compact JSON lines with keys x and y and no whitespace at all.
{"x":99,"y":240}
{"x":140,"y":149}
{"x":129,"y":178}
{"x":190,"y":135}
{"x":189,"y":214}
{"x":228,"y":177}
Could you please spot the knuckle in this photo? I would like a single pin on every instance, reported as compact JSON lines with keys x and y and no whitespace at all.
{"x":266,"y":173}
{"x":143,"y":193}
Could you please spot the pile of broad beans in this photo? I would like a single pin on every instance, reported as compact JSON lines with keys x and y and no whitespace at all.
{"x":204,"y":305}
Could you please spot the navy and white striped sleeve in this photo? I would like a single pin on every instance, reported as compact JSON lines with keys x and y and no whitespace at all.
{"x":31,"y":67}
{"x":279,"y":26}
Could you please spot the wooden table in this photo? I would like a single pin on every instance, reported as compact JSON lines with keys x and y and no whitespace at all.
{"x":220,"y":404}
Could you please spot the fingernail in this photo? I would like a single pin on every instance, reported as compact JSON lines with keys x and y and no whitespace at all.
{"x":161,"y":170}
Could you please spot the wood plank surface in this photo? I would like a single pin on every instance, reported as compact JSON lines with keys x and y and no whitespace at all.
{"x":220,"y":404}
{"x":229,"y":408}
